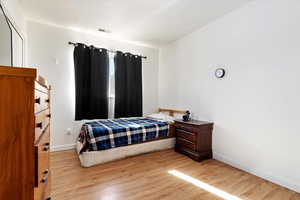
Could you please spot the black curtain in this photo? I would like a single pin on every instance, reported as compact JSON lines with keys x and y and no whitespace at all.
{"x":128,"y":85}
{"x":91,"y":82}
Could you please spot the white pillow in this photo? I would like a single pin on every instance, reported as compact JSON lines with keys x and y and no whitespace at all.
{"x":162,"y":116}
{"x":157,"y":116}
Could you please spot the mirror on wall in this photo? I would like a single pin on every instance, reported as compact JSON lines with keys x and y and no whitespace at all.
{"x":11,"y":42}
{"x":17,"y":48}
{"x":5,"y":40}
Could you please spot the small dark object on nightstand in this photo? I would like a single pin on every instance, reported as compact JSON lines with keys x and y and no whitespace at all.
{"x":186,"y":117}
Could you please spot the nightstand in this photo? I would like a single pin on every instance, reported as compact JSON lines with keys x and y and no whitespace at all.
{"x":194,"y":139}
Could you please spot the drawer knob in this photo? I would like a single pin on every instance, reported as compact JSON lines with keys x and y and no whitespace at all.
{"x":39,"y":125}
{"x":38,"y":100}
{"x":49,"y":115}
{"x":44,"y":180}
{"x":47,"y":100}
{"x":47,"y":144}
{"x":46,"y":171}
{"x":46,"y":148}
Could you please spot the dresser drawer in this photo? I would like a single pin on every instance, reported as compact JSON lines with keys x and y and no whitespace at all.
{"x":42,"y":159}
{"x":42,"y":192}
{"x":42,"y":120}
{"x":41,"y":101}
{"x":41,"y":88}
{"x":187,"y":127}
{"x":42,"y":168}
{"x":185,"y":143}
{"x":186,"y":135}
{"x":45,"y":137}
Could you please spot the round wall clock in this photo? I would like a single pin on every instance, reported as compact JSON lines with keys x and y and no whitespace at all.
{"x":220,"y":73}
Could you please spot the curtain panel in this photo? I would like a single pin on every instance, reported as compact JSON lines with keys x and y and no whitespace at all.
{"x":91,"y":82}
{"x":128,"y":85}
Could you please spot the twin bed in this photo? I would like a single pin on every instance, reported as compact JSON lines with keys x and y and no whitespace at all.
{"x":106,"y":140}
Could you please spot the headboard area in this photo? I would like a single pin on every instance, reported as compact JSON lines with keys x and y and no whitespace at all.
{"x":171,"y":112}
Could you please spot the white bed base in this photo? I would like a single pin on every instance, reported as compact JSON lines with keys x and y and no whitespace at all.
{"x":88,"y":159}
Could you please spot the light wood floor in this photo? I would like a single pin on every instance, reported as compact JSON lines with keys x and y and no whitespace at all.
{"x":146,"y":177}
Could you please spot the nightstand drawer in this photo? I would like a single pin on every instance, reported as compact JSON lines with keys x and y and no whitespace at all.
{"x":185,"y":143}
{"x":186,"y":135}
{"x":186,"y":127}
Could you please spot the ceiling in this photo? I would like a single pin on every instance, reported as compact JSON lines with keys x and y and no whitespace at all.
{"x":154,"y":22}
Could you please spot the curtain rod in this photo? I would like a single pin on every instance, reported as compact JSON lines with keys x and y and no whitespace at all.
{"x":112,"y":51}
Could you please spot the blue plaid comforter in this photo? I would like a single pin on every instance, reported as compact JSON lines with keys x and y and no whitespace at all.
{"x":110,"y":133}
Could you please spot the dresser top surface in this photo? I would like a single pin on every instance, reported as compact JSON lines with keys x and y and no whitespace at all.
{"x":17,"y":71}
{"x":193,"y":122}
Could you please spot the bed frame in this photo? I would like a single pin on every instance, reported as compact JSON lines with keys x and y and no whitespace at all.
{"x":172,"y":112}
{"x":88,"y":159}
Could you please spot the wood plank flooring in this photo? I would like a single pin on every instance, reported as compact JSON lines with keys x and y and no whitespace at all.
{"x":146,"y":177}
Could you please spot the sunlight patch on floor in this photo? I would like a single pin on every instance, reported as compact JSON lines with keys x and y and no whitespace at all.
{"x":204,"y":186}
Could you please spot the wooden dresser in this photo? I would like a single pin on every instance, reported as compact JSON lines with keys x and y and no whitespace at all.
{"x":194,"y":139}
{"x":25,"y":135}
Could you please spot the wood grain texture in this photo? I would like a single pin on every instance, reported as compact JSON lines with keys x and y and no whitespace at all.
{"x":42,"y":121}
{"x":171,"y":112}
{"x":42,"y":156}
{"x":194,"y":139}
{"x":17,"y":71}
{"x":42,"y":191}
{"x":48,"y":190}
{"x":146,"y":177}
{"x":16,"y":136}
{"x":20,"y":164}
{"x":41,"y":101}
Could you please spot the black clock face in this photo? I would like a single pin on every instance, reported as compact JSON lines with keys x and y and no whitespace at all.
{"x":220,"y":73}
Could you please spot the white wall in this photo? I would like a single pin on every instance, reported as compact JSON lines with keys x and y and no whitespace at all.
{"x":48,"y":50}
{"x":256,"y":106}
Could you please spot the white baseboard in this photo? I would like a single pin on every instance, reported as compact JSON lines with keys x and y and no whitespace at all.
{"x":63,"y":147}
{"x":270,"y":177}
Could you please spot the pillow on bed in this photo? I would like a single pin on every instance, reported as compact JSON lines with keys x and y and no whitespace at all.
{"x":162,"y":116}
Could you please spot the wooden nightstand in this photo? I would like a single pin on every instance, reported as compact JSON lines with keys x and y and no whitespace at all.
{"x":194,"y":139}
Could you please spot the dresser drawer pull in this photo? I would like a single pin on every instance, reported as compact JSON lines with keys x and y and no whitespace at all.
{"x":39,"y":125}
{"x":49,"y":115}
{"x":46,"y":171}
{"x":38,"y":100}
{"x":46,"y":148}
{"x":47,"y":100}
{"x":44,"y":180}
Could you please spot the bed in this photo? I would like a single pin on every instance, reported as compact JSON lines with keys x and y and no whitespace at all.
{"x":102,"y":141}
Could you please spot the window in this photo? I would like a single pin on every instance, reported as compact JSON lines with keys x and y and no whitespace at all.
{"x":111,"y":87}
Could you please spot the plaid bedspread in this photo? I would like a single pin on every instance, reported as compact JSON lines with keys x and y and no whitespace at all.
{"x":106,"y":134}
